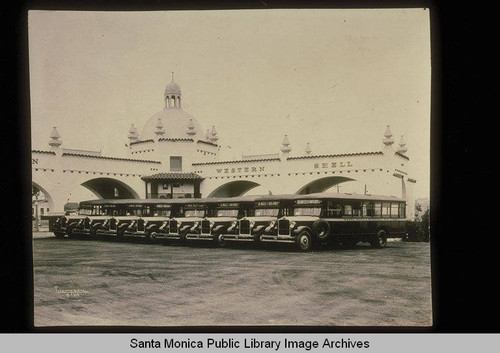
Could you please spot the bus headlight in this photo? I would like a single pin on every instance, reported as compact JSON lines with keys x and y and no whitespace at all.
{"x":234,"y":223}
{"x":211,"y":224}
{"x":272,"y":224}
{"x":292,"y":224}
{"x":252,"y":223}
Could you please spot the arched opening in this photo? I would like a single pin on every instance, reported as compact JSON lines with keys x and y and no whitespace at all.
{"x":174,"y":103}
{"x":233,"y":189}
{"x":322,"y":184}
{"x":108,"y":188}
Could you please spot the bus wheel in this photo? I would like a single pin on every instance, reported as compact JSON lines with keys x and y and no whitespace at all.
{"x":380,"y":240}
{"x":69,"y":230}
{"x":151,"y":236}
{"x":322,"y":229}
{"x":120,"y":233}
{"x":219,"y":239}
{"x":303,"y":241}
{"x":257,"y":240}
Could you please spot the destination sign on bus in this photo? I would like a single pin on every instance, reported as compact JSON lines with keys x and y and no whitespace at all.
{"x":308,"y":202}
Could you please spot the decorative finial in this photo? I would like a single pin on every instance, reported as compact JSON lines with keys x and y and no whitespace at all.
{"x":159,"y":127}
{"x":191,"y":130}
{"x":55,"y":140}
{"x":133,"y":135}
{"x":213,"y":135}
{"x":388,"y":140}
{"x":308,"y":148}
{"x":285,"y":148}
{"x":402,"y":146}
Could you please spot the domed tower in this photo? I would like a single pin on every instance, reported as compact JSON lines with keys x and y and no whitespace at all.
{"x":176,"y":139}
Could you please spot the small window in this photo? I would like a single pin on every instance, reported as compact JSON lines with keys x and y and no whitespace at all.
{"x":377,"y":209}
{"x":333,"y":209}
{"x":386,"y":209}
{"x":402,"y":210}
{"x":117,"y":193}
{"x":394,"y":210}
{"x":347,"y":210}
{"x":356,"y":209}
{"x":368,"y":209}
{"x":175,"y":164}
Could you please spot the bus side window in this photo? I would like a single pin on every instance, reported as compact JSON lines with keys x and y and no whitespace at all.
{"x":347,"y":211}
{"x":386,"y":209}
{"x":356,"y":209}
{"x":402,"y":210}
{"x":394,"y":210}
{"x":368,"y":209}
{"x":377,"y":209}
{"x":333,"y":210}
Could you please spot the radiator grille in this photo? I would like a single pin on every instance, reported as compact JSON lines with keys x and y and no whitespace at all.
{"x":244,"y":226}
{"x":283,"y":227}
{"x":205,"y":227}
{"x":173,"y":227}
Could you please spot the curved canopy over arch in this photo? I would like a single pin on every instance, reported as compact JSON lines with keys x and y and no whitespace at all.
{"x":109,"y":188}
{"x":322,"y":184}
{"x":233,"y":188}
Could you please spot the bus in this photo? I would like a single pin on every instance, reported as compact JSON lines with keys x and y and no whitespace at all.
{"x":340,"y":219}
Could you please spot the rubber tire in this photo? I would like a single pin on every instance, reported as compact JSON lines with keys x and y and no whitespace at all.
{"x":217,"y":239}
{"x":69,"y":230}
{"x":380,"y":240}
{"x":303,"y":241}
{"x":256,"y":239}
{"x":325,"y":227}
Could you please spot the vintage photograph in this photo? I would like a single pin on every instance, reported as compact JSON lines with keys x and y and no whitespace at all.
{"x":231,"y":167}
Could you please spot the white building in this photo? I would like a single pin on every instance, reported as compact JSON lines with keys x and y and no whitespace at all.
{"x":174,"y":156}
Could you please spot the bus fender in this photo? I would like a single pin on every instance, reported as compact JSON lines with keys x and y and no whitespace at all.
{"x":300,"y":229}
{"x":258,"y":228}
{"x":152,"y":227}
{"x":217,"y":228}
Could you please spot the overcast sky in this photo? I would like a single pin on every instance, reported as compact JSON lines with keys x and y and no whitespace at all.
{"x":334,"y":78}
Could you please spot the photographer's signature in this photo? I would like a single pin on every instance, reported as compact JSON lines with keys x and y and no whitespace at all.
{"x":70,"y":292}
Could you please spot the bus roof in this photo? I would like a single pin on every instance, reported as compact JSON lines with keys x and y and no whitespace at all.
{"x":347,"y":196}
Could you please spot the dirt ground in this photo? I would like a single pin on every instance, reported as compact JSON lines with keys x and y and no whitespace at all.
{"x":80,"y":282}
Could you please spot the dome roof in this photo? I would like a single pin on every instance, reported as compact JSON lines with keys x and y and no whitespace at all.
{"x":175,"y":122}
{"x":172,"y":88}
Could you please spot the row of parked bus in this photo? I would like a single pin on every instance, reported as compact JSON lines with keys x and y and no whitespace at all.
{"x":302,"y":220}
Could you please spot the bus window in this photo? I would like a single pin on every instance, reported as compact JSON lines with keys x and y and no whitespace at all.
{"x":333,"y":210}
{"x":307,"y":211}
{"x":402,"y":210}
{"x":368,"y":209}
{"x":377,"y":209}
{"x":347,"y":210}
{"x":386,"y":209}
{"x":394,"y":210}
{"x":356,"y":209}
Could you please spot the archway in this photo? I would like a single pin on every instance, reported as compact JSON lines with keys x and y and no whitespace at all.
{"x":233,"y":188}
{"x":322,"y":184}
{"x":108,"y":188}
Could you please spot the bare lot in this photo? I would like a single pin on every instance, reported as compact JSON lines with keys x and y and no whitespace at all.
{"x":80,"y":282}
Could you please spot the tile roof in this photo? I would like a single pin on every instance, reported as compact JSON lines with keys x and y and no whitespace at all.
{"x":172,"y":176}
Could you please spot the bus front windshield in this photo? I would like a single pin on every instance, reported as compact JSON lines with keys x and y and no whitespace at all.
{"x":273,"y":212}
{"x":227,"y":213}
{"x":85,"y":211}
{"x":194,"y":213}
{"x":307,"y":211}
